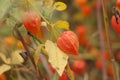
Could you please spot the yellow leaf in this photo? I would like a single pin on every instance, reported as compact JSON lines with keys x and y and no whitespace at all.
{"x":57,"y":58}
{"x":44,"y":51}
{"x":4,"y":68}
{"x":16,"y":58}
{"x":62,"y":24}
{"x":5,"y":60}
{"x":60,"y":6}
{"x":37,"y":53}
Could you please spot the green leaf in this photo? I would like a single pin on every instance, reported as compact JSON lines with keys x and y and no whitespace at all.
{"x":10,"y":22}
{"x":4,"y":7}
{"x":16,"y":13}
{"x":48,"y":12}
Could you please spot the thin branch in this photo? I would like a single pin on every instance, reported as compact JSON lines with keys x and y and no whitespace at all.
{"x":25,"y":46}
{"x":108,"y":38}
{"x":102,"y":43}
{"x":46,"y":65}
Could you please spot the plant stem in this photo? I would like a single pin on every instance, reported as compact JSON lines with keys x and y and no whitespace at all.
{"x":85,"y":56}
{"x":102,"y":43}
{"x":26,"y":48}
{"x":35,"y":38}
{"x":46,"y":65}
{"x":22,"y":40}
{"x":51,"y":28}
{"x":33,"y":5}
{"x":70,"y":72}
{"x":108,"y":38}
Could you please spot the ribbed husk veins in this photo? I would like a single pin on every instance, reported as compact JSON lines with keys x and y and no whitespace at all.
{"x":68,"y":42}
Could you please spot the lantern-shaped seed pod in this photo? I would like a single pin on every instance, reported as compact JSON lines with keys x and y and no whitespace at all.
{"x":68,"y":42}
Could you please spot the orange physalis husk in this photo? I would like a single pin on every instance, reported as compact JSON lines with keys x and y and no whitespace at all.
{"x":68,"y":42}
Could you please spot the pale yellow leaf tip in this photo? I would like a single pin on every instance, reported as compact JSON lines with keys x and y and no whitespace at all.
{"x":4,"y":68}
{"x":16,"y":58}
{"x":37,"y":53}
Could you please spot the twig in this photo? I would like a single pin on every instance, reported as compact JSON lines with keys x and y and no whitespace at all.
{"x":46,"y":65}
{"x":70,"y":72}
{"x":35,"y":38}
{"x":84,"y":56}
{"x":22,"y":40}
{"x":108,"y":38}
{"x":102,"y":43}
{"x":25,"y":46}
{"x":68,"y":76}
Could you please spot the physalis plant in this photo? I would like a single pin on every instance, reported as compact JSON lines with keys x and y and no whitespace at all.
{"x":58,"y":48}
{"x":51,"y":41}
